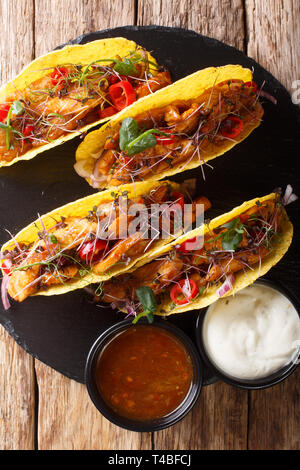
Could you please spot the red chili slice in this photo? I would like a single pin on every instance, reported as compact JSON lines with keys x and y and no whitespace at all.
{"x":179,"y":296}
{"x":6,"y":266}
{"x":231,"y":127}
{"x":92,"y":250}
{"x":184,"y":246}
{"x":178,"y":198}
{"x":4,"y":108}
{"x":122,"y":94}
{"x":29,"y":131}
{"x":251,"y":85}
{"x":59,"y":75}
{"x":107,"y":112}
{"x":163,"y":139}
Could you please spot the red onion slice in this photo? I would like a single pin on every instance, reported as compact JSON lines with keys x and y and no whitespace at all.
{"x":226,"y":286}
{"x":289,"y":196}
{"x":81,"y":170}
{"x":130,"y":310}
{"x":267,"y":95}
{"x":4,"y":295}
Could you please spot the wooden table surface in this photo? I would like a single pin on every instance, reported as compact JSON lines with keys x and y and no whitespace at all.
{"x":39,"y":407}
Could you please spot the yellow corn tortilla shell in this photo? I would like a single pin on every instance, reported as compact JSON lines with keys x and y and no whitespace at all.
{"x":242,"y":278}
{"x":72,"y":54}
{"x":80,"y":208}
{"x":190,"y":87}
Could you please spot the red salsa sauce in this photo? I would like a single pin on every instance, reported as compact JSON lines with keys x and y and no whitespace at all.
{"x":144,"y":373}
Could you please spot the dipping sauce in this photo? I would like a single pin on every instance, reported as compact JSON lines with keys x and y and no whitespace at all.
{"x":144,"y":373}
{"x":253,"y":333}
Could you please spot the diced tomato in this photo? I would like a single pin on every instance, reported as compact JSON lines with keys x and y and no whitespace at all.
{"x":29,"y":131}
{"x":59,"y":75}
{"x":107,"y":112}
{"x":184,"y":291}
{"x":163,"y":139}
{"x":184,"y":246}
{"x":4,"y":108}
{"x":6,"y":266}
{"x":231,"y":127}
{"x":92,"y":250}
{"x":122,"y":94}
{"x":251,"y":85}
{"x":178,"y":198}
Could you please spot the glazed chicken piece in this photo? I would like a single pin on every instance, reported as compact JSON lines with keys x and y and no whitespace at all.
{"x":230,"y":265}
{"x":185,"y":122}
{"x":23,"y":283}
{"x":160,"y":80}
{"x":156,"y":275}
{"x":73,"y":232}
{"x":60,"y":276}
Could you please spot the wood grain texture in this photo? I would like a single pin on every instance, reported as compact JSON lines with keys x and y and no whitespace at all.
{"x":221,"y":19}
{"x":217,"y":422}
{"x":69,"y":420}
{"x":67,"y":19}
{"x":17,"y":397}
{"x":17,"y":420}
{"x":273,"y":37}
{"x":274,"y":418}
{"x":17,"y":38}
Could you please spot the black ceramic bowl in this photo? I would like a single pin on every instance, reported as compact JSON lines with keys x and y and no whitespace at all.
{"x":263,"y":382}
{"x":137,"y":425}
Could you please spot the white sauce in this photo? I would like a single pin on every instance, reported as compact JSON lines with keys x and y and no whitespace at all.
{"x":253,"y":333}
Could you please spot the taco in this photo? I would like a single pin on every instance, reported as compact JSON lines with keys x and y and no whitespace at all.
{"x":185,"y":125}
{"x":215,"y":260}
{"x":94,"y":238}
{"x":68,"y":91}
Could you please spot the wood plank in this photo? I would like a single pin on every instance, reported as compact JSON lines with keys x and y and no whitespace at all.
{"x":16,"y":44}
{"x":217,"y":422}
{"x":273,"y":37}
{"x":275,"y":416}
{"x":223,"y":20}
{"x":69,"y":420}
{"x":17,"y":397}
{"x":17,"y":420}
{"x":66,"y":19}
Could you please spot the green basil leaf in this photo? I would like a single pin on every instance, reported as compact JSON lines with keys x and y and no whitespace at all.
{"x":17,"y":108}
{"x":233,"y":235}
{"x":128,"y":132}
{"x":231,"y":240}
{"x":124,"y":67}
{"x":141,"y":143}
{"x":147,"y":298}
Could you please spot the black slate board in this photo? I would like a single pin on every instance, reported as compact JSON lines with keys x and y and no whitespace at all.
{"x":59,"y":330}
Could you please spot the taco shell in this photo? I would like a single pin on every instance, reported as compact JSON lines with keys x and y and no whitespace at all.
{"x":80,"y":208}
{"x":242,"y":279}
{"x":188,"y":88}
{"x":76,"y":54}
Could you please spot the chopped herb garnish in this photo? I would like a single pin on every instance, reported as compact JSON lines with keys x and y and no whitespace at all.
{"x":147,"y":298}
{"x":233,"y":236}
{"x":124,"y":67}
